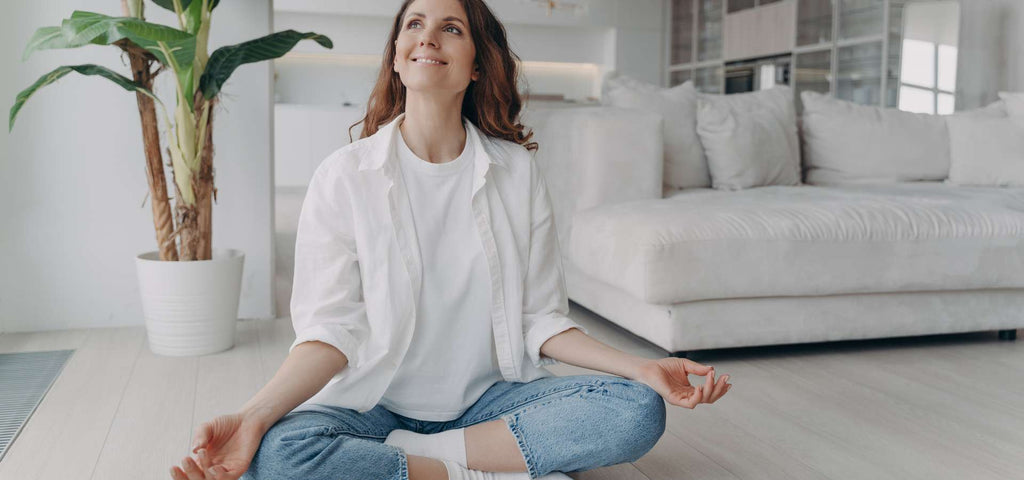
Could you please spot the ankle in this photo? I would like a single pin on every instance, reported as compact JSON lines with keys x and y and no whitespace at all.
{"x":424,"y":468}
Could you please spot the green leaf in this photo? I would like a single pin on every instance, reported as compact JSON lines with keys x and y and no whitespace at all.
{"x":43,"y":39}
{"x":225,"y":60}
{"x":169,"y":4}
{"x":84,"y":28}
{"x":171,"y":47}
{"x":56,"y":74}
{"x":193,"y":14}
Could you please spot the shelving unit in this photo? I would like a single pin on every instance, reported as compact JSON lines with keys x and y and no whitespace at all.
{"x":847,"y":48}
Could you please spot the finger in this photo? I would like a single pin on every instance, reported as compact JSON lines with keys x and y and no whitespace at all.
{"x":217,"y":472}
{"x":204,"y":459}
{"x":697,"y":368}
{"x":202,"y":436}
{"x":177,"y":474}
{"x":192,"y":469}
{"x":708,"y":387}
{"x":719,"y":388}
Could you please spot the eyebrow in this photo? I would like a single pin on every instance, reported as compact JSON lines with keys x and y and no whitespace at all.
{"x":446,"y":19}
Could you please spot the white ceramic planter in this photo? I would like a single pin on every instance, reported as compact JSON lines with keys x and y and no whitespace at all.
{"x":191,"y":308}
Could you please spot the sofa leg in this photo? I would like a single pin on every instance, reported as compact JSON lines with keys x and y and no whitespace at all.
{"x":1008,"y":334}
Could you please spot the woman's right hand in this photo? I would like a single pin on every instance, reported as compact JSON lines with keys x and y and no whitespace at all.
{"x":224,"y":448}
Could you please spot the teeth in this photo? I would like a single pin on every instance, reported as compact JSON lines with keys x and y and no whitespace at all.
{"x":424,"y":60}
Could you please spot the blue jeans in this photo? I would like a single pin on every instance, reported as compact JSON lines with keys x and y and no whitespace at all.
{"x":564,"y":424}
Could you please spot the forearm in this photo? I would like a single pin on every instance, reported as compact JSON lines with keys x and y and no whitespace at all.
{"x":306,"y":370}
{"x":577,"y":348}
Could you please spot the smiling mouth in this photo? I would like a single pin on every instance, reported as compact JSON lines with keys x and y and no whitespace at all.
{"x":428,"y":62}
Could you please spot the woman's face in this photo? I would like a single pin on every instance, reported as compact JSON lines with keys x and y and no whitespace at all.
{"x":435,"y":30}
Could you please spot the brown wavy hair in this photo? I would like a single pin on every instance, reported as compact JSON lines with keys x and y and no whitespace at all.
{"x":492,"y":103}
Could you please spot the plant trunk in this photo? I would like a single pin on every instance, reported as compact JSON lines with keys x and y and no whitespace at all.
{"x":205,"y":191}
{"x":196,"y":221}
{"x":162,"y":219}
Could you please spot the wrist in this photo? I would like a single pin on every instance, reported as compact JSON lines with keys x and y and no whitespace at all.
{"x":641,"y":369}
{"x":260,"y":416}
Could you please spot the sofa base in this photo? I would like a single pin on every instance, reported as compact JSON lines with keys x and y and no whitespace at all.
{"x":741,"y":322}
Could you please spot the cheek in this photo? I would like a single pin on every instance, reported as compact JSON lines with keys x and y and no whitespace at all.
{"x":403,"y":48}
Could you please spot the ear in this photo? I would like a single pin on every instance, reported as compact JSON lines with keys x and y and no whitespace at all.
{"x":476,"y":73}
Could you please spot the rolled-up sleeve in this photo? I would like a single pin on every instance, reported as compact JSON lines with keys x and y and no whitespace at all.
{"x":545,"y":299}
{"x":327,"y":303}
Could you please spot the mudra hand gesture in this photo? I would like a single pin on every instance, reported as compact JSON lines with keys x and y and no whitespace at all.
{"x":670,"y":378}
{"x":224,"y":446}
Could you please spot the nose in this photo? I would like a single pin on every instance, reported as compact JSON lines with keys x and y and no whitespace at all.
{"x":427,"y":38}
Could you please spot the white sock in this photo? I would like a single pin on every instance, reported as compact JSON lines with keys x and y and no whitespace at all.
{"x":459,"y":472}
{"x":447,"y":445}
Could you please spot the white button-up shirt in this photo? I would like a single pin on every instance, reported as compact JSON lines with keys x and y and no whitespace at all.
{"x":358,"y":268}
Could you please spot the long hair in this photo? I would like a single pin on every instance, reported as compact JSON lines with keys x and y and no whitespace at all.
{"x":492,"y":103}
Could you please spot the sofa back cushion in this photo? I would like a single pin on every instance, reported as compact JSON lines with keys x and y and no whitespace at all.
{"x":685,"y":165}
{"x":1014,"y":106}
{"x":986,"y":151}
{"x":750,"y":139}
{"x":846,"y":143}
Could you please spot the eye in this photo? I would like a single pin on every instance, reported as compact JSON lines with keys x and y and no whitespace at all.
{"x":453,"y":27}
{"x":411,"y":22}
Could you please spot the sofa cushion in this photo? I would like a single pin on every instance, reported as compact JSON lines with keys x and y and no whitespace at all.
{"x":845,"y":143}
{"x":804,"y":240}
{"x":685,"y":165}
{"x":986,"y":151}
{"x":1014,"y":106}
{"x":750,"y":139}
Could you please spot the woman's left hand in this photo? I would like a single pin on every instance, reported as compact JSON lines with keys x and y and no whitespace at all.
{"x":670,"y":378}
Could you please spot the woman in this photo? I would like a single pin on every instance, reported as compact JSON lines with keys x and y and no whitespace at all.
{"x":437,"y":221}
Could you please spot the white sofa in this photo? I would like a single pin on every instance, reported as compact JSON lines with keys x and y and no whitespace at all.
{"x":698,"y":268}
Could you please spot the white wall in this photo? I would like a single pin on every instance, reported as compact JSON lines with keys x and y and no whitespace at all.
{"x":1015,"y":47}
{"x":72,"y":176}
{"x":937,"y":22}
{"x":991,"y":57}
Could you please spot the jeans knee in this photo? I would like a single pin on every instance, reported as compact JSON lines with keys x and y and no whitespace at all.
{"x":643,"y":418}
{"x":314,"y":452}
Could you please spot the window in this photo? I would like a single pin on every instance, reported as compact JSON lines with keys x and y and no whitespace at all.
{"x":927,"y":77}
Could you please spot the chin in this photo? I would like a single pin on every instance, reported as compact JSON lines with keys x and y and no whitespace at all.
{"x":429,"y":87}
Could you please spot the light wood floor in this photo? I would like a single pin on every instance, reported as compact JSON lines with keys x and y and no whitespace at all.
{"x":937,"y":407}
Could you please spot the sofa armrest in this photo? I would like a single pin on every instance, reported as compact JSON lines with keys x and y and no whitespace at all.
{"x":593,"y":156}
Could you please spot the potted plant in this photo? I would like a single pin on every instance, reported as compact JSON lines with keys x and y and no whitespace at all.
{"x":190,"y":291}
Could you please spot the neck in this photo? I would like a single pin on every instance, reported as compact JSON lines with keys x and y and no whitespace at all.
{"x":432,"y":127}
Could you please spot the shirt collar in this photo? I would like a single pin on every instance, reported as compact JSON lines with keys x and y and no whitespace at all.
{"x":383,"y":146}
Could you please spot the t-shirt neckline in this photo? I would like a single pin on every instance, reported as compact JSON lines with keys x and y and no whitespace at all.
{"x":408,"y":157}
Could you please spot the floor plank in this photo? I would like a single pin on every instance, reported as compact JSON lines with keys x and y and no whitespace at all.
{"x":153,"y":421}
{"x":64,"y":436}
{"x":673,"y":459}
{"x":226,"y":380}
{"x":710,"y":430}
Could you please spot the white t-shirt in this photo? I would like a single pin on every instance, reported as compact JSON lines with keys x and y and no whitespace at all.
{"x":452,"y":359}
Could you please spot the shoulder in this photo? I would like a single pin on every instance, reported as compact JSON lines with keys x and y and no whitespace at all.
{"x":346,"y":159}
{"x":515,"y":156}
